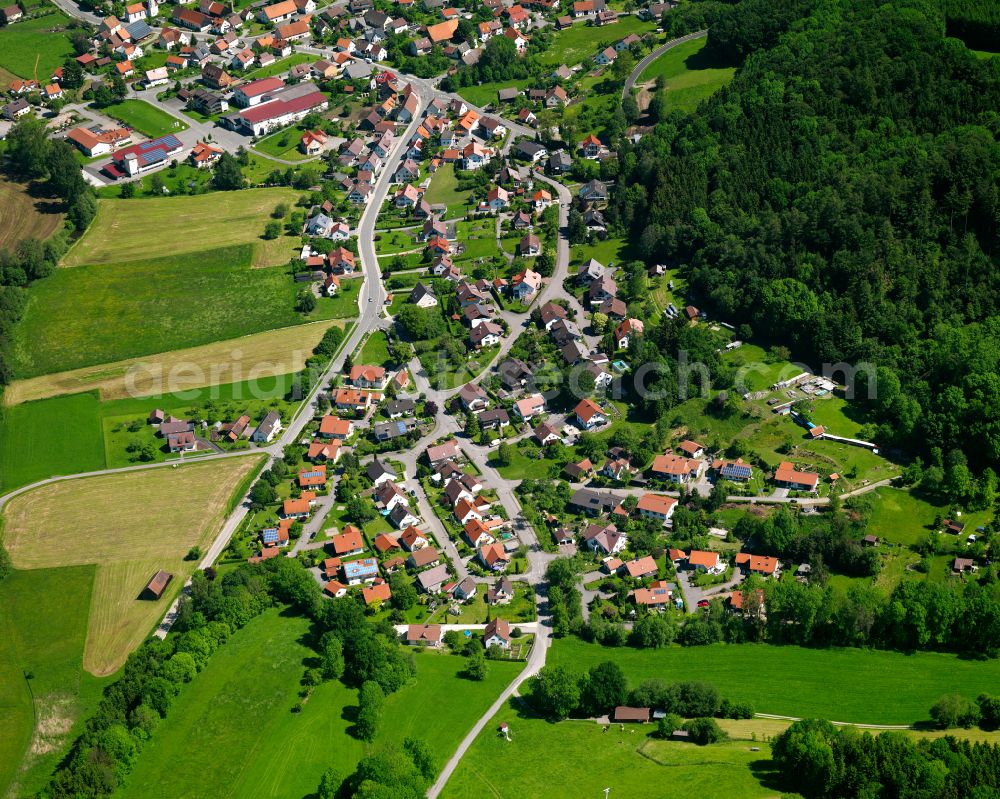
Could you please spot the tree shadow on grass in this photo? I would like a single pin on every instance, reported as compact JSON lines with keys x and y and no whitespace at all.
{"x":703,"y":59}
{"x":766,"y":772}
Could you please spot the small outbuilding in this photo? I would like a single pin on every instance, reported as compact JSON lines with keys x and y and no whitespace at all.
{"x":631,"y":715}
{"x":157,"y":585}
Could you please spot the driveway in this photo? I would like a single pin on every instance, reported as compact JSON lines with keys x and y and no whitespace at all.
{"x":693,"y":594}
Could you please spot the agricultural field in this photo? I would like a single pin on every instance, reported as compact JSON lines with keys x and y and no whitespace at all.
{"x":587,"y":760}
{"x":758,"y":729}
{"x":49,"y":437}
{"x":690,"y":76}
{"x":806,"y":683}
{"x":39,"y":40}
{"x":145,"y":118}
{"x":256,"y":675}
{"x":581,"y":42}
{"x":44,"y":692}
{"x":273,"y":352}
{"x":94,"y":521}
{"x":176,"y":225}
{"x":107,"y":313}
{"x":23,"y":216}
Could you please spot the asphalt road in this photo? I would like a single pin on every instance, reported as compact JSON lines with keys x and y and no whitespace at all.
{"x":649,"y":59}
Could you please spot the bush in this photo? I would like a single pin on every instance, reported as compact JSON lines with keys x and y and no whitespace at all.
{"x":704,"y":731}
{"x":954,"y":710}
{"x":735,"y":710}
{"x":666,"y":725}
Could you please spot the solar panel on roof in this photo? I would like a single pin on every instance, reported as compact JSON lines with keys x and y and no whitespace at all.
{"x":270,"y":535}
{"x":139,"y":29}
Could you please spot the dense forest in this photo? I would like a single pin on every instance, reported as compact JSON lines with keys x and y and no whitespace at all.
{"x":840,"y":197}
{"x":826,"y":762}
{"x":975,"y":22}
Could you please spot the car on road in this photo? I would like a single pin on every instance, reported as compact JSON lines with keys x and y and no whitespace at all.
{"x":702,"y":603}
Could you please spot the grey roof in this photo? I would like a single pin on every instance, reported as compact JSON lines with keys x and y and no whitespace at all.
{"x":358,"y":69}
{"x":376,"y":469}
{"x":400,"y":406}
{"x":530,"y":148}
{"x":432,"y":578}
{"x":139,"y":29}
{"x":420,"y":291}
{"x":594,"y":500}
{"x":319,"y":223}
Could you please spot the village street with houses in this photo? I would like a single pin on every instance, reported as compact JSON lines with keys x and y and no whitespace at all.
{"x":475,"y":464}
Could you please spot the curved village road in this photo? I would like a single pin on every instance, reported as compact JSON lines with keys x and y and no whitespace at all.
{"x":371,"y":303}
{"x":536,"y":659}
{"x":649,"y":59}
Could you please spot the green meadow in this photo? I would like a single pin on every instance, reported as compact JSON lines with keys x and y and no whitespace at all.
{"x":232,"y":732}
{"x":104,"y":313}
{"x":77,"y":432}
{"x":574,"y":759}
{"x":582,"y":42}
{"x":43,"y":627}
{"x":38,"y":40}
{"x":690,"y":76}
{"x":145,"y":118}
{"x":852,"y":685}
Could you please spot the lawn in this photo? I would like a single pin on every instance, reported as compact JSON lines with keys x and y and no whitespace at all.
{"x":176,"y":225}
{"x":793,"y":681}
{"x":578,"y":759}
{"x":278,"y":67}
{"x":95,"y":521}
{"x":609,"y":251}
{"x":582,"y":42}
{"x":901,"y":517}
{"x":185,"y":179}
{"x":145,"y":118}
{"x":690,"y":75}
{"x":486,"y":93}
{"x":32,"y":42}
{"x":23,"y":216}
{"x":273,"y":352}
{"x":475,"y":611}
{"x":107,"y":313}
{"x":206,"y":747}
{"x":443,"y":190}
{"x":375,"y":350}
{"x":283,"y":144}
{"x":524,"y":465}
{"x":43,"y":626}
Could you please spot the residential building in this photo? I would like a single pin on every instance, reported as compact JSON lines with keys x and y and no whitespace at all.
{"x":656,"y":506}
